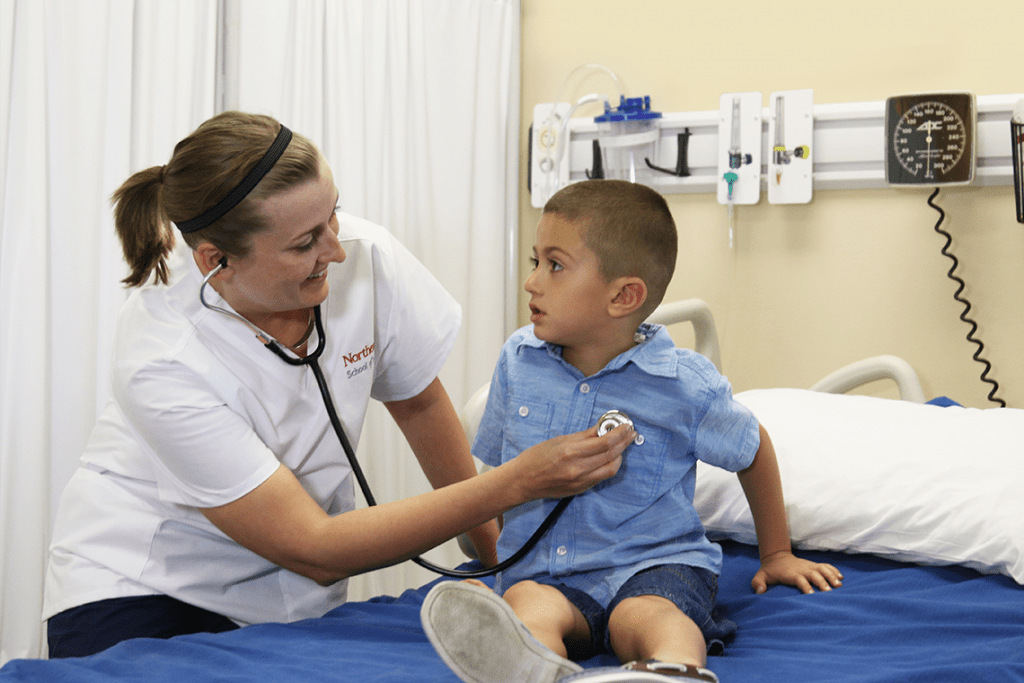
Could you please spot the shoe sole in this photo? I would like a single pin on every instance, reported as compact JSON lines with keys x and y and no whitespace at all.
{"x":619,"y":675}
{"x":481,"y":639}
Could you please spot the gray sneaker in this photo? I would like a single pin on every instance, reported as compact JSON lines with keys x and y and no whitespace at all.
{"x":481,"y":639}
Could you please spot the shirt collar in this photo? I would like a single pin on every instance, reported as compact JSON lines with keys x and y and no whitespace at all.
{"x":655,"y":356}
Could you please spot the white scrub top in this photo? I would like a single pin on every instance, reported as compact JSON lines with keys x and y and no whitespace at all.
{"x":202,"y":413}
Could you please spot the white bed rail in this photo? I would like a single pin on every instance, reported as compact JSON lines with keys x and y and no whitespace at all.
{"x":698,"y":313}
{"x":870,"y":369}
{"x":841,"y":381}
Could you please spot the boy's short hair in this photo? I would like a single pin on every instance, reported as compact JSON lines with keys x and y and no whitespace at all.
{"x":628,"y":226}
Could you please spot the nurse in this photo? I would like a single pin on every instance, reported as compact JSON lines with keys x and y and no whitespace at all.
{"x":213,"y":492}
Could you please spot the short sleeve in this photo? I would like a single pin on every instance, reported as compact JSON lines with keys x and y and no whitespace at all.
{"x":203,"y":453}
{"x":727,"y":433}
{"x":490,"y":435}
{"x":418,"y":322}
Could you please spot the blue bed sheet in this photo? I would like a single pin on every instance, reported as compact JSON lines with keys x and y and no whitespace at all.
{"x":890,"y":623}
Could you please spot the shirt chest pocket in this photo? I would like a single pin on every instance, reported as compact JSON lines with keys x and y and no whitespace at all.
{"x":638,"y":481}
{"x":527,"y":425}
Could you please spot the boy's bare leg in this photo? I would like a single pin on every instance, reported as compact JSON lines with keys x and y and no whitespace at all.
{"x":550,"y":617}
{"x":651,"y":627}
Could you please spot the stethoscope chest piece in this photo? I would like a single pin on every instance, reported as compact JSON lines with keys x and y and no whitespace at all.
{"x":611,"y":420}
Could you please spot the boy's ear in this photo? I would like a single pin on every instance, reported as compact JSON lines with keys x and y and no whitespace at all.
{"x":630,"y":295}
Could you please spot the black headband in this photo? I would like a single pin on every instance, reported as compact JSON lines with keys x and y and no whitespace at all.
{"x":244,"y":188}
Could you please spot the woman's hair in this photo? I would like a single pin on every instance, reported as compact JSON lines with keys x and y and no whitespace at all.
{"x":204,"y":168}
{"x":628,"y":226}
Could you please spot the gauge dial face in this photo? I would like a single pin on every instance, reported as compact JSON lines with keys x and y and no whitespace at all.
{"x":930,"y":140}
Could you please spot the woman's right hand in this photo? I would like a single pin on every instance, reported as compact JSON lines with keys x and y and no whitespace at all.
{"x":280,"y":521}
{"x":570,"y":464}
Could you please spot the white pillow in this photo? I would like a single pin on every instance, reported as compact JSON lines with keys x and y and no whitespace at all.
{"x":912,"y":482}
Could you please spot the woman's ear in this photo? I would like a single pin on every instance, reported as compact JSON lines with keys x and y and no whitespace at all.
{"x":630,"y":295}
{"x":209,"y":257}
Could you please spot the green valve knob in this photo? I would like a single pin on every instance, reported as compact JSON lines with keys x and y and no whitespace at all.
{"x":730,"y":178}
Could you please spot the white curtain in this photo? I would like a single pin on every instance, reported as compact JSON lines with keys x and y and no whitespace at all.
{"x":96,"y":89}
{"x":415,"y":104}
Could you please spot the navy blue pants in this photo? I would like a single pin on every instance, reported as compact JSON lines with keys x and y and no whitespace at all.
{"x":93,"y":627}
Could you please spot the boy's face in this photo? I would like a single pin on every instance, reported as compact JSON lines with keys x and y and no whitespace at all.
{"x":569,"y":296}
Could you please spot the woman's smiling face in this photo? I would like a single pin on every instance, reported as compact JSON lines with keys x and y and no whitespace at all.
{"x":286,"y":268}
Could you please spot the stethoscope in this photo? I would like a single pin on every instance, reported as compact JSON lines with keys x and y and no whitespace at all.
{"x":608,"y":421}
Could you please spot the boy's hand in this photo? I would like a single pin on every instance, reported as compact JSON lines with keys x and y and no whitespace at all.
{"x":785,"y":567}
{"x":481,"y":543}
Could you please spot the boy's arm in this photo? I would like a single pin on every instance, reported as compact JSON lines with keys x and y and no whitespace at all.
{"x":762,"y":486}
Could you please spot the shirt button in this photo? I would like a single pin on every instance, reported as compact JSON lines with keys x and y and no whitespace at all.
{"x":523,"y":411}
{"x":639,"y":440}
{"x":562,"y":550}
{"x":584,"y":388}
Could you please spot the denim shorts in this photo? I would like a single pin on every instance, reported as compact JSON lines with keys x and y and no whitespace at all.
{"x":692,"y":589}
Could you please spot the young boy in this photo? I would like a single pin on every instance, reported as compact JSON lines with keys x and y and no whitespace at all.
{"x":627,"y":568}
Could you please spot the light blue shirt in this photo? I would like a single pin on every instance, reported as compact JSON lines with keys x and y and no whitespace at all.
{"x":682,"y":410}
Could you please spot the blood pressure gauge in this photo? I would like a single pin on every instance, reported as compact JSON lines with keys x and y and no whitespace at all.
{"x":930,"y":139}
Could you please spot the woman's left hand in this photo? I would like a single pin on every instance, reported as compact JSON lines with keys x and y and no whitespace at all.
{"x":786,"y":568}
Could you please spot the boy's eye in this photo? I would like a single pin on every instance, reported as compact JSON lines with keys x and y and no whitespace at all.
{"x":553,"y":266}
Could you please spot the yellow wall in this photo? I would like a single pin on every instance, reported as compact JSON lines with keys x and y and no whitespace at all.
{"x":855,"y":273}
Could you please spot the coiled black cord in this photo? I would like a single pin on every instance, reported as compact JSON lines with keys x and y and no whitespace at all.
{"x":967,"y":304}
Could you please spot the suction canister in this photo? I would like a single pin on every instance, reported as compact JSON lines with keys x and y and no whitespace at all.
{"x":627,"y":135}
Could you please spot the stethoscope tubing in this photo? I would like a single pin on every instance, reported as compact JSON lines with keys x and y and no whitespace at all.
{"x":312,"y":360}
{"x":364,"y":486}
